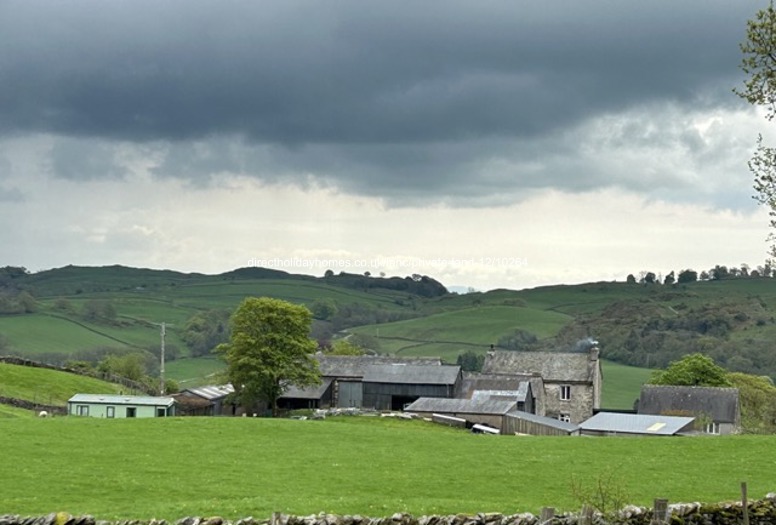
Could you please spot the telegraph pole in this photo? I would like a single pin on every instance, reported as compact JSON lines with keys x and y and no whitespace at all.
{"x":161,"y":367}
{"x":162,"y":333}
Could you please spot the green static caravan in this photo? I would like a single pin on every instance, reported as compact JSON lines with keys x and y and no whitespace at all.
{"x":113,"y":406}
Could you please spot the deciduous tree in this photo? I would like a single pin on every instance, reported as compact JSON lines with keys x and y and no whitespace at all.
{"x":759,"y":64}
{"x":692,"y":370}
{"x":269,"y":350}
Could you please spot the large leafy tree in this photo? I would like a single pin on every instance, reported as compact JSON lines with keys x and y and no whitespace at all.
{"x":269,"y":349}
{"x":692,"y":370}
{"x":759,"y":64}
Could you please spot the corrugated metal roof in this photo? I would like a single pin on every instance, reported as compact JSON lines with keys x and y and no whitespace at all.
{"x":312,"y":392}
{"x":412,"y":374}
{"x":721,"y":404}
{"x":212,"y":392}
{"x":112,"y":399}
{"x":552,"y":366}
{"x":636,"y":423}
{"x":461,"y":406}
{"x":513,"y":395}
{"x":545,"y":421}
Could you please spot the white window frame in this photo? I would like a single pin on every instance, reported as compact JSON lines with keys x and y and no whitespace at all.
{"x":566,"y":418}
{"x":712,"y":428}
{"x":565,"y":392}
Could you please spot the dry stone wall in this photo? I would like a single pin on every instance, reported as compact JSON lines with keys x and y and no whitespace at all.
{"x":760,"y":512}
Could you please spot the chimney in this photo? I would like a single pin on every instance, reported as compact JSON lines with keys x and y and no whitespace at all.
{"x":593,"y":353}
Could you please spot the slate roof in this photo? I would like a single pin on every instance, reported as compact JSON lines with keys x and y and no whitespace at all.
{"x":461,"y":406}
{"x":112,"y":399}
{"x":545,"y":421}
{"x":354,"y":366}
{"x":312,"y":392}
{"x":721,"y":404}
{"x":212,"y":392}
{"x":552,"y":366}
{"x":412,"y":374}
{"x":637,"y":424}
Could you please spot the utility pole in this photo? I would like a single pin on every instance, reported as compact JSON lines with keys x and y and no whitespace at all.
{"x":161,"y":367}
{"x":163,"y":332}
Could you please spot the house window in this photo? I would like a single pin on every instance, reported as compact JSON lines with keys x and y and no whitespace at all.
{"x":566,"y":418}
{"x":110,"y":411}
{"x":565,"y":392}
{"x":131,"y":411}
{"x":712,"y":428}
{"x":82,"y":410}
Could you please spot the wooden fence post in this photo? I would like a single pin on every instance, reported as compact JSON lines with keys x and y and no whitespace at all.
{"x":548,"y":513}
{"x":744,"y":503}
{"x":660,"y":512}
{"x":586,"y":515}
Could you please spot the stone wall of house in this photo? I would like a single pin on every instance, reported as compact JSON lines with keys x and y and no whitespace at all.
{"x":579,"y":406}
{"x":760,"y":512}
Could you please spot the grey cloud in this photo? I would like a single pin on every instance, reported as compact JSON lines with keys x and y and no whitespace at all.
{"x":351,"y":72}
{"x":461,"y":102}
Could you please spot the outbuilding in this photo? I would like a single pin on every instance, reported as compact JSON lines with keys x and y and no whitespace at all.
{"x":117,"y":406}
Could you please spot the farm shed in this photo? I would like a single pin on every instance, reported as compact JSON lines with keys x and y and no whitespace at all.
{"x":717,"y":410}
{"x":317,"y":396}
{"x":490,"y":412}
{"x":523,"y":423}
{"x":619,"y":424}
{"x":205,"y":401}
{"x":113,"y":406}
{"x":571,"y":380}
{"x":391,"y":387}
{"x":347,"y":374}
{"x":523,"y":388}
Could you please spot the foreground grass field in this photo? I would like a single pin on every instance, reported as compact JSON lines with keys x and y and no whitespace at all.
{"x":170,"y":468}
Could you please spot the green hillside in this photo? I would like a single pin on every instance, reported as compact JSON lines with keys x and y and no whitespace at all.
{"x":49,"y":387}
{"x":449,"y":333}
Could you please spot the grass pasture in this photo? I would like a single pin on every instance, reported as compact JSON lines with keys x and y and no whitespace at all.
{"x":49,"y":387}
{"x":622,"y":384}
{"x":451,"y":332}
{"x":238,"y":467}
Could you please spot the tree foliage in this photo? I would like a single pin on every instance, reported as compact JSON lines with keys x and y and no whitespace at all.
{"x":757,"y":397}
{"x":206,"y":330}
{"x":759,"y":64}
{"x":344,"y":347}
{"x":269,"y":350}
{"x":692,"y":370}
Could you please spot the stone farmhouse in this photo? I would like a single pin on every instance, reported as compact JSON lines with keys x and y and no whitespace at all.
{"x":716,"y":410}
{"x":566,"y":385}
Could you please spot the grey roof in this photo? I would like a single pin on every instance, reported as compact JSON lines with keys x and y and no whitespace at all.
{"x":354,"y":366}
{"x":312,"y":392}
{"x":514,"y":395}
{"x":460,"y":406}
{"x":112,"y":399}
{"x":552,"y":366}
{"x":212,"y":392}
{"x":412,"y":374}
{"x":721,"y":404}
{"x":474,"y":381}
{"x":637,"y":423}
{"x":545,"y":421}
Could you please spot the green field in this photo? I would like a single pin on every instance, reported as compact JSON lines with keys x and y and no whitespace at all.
{"x":49,"y":387}
{"x":238,"y":467}
{"x":622,"y":385}
{"x":455,"y":331}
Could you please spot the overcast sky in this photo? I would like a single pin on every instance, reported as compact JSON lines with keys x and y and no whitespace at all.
{"x":487,"y":144}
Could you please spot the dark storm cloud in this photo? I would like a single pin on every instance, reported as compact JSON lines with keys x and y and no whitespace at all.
{"x":351,"y":71}
{"x":377,"y":97}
